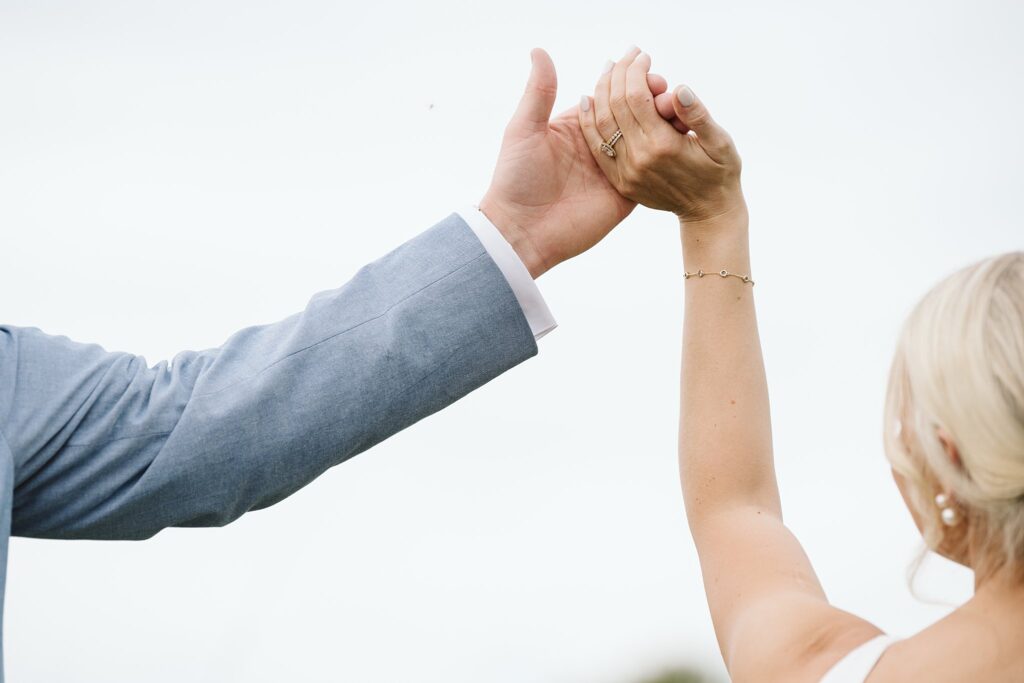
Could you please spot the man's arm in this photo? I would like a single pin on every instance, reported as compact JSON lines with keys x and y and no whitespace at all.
{"x":106,"y":447}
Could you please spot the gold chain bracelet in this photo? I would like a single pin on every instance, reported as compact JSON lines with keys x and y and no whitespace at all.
{"x":722,"y":273}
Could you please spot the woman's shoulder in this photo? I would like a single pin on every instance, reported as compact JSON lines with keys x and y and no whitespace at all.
{"x":807,"y":640}
{"x":857,"y":664}
{"x":957,"y":648}
{"x":810,"y":641}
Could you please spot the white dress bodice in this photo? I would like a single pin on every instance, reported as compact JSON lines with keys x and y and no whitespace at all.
{"x":855,"y":666}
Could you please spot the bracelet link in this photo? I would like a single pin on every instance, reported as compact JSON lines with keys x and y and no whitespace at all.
{"x":723,"y":273}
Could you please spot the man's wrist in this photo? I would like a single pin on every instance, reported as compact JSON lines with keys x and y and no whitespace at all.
{"x":515,"y":272}
{"x":517,"y":236}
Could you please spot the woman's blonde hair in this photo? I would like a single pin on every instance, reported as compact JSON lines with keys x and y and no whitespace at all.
{"x":959,"y":368}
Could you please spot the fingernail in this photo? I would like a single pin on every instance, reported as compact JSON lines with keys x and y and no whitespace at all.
{"x":640,"y":56}
{"x":585,"y":103}
{"x":686,"y":96}
{"x":608,"y":66}
{"x":629,"y":49}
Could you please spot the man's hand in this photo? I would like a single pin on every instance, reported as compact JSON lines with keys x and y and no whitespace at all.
{"x":548,"y":197}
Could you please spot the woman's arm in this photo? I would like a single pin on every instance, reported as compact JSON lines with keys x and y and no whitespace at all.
{"x":769,"y":610}
{"x":771,"y":616}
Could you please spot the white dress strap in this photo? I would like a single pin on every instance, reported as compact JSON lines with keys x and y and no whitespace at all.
{"x":855,"y":666}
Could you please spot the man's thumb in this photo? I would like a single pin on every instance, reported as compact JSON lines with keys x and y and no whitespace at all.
{"x":535,"y":107}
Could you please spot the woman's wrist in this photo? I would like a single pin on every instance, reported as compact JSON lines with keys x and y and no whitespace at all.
{"x":720,"y":236}
{"x":729,"y":217}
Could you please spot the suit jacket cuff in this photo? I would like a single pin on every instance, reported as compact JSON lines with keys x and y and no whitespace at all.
{"x":535,"y":309}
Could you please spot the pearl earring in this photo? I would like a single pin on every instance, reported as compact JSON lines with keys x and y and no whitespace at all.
{"x":947,"y":513}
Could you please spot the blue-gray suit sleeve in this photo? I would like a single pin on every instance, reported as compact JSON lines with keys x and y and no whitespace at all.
{"x":106,"y":447}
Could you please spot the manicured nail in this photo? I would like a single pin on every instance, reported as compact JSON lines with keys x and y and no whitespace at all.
{"x":686,"y":96}
{"x":630,"y":50}
{"x":585,"y":103}
{"x":640,"y":56}
{"x":608,"y":66}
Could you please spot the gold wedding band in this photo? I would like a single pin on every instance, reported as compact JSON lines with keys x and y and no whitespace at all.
{"x":609,"y":146}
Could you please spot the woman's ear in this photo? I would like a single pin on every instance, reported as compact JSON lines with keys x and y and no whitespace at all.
{"x":949,"y":446}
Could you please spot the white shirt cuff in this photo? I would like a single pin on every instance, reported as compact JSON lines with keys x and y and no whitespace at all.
{"x":536,"y":310}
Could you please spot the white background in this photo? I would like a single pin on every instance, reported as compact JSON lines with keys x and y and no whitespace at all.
{"x":173,"y":171}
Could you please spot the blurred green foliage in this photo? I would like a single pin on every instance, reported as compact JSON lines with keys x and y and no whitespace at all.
{"x":679,"y":676}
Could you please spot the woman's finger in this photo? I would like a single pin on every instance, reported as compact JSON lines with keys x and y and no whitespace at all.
{"x":712,"y":137}
{"x":638,"y":94}
{"x":627,"y":123}
{"x":604,"y":119}
{"x":594,"y":137}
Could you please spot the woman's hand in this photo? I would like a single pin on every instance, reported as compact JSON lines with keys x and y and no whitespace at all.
{"x":548,"y":198}
{"x":695,"y":174}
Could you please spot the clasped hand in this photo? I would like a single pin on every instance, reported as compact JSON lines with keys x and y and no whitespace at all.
{"x":555,"y":194}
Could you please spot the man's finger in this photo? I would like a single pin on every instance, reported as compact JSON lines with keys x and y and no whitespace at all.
{"x":657,"y":84}
{"x":663,"y":103}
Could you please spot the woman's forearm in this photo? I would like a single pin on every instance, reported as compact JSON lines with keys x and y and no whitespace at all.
{"x":725,"y":435}
{"x":725,"y":451}
{"x":759,"y":582}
